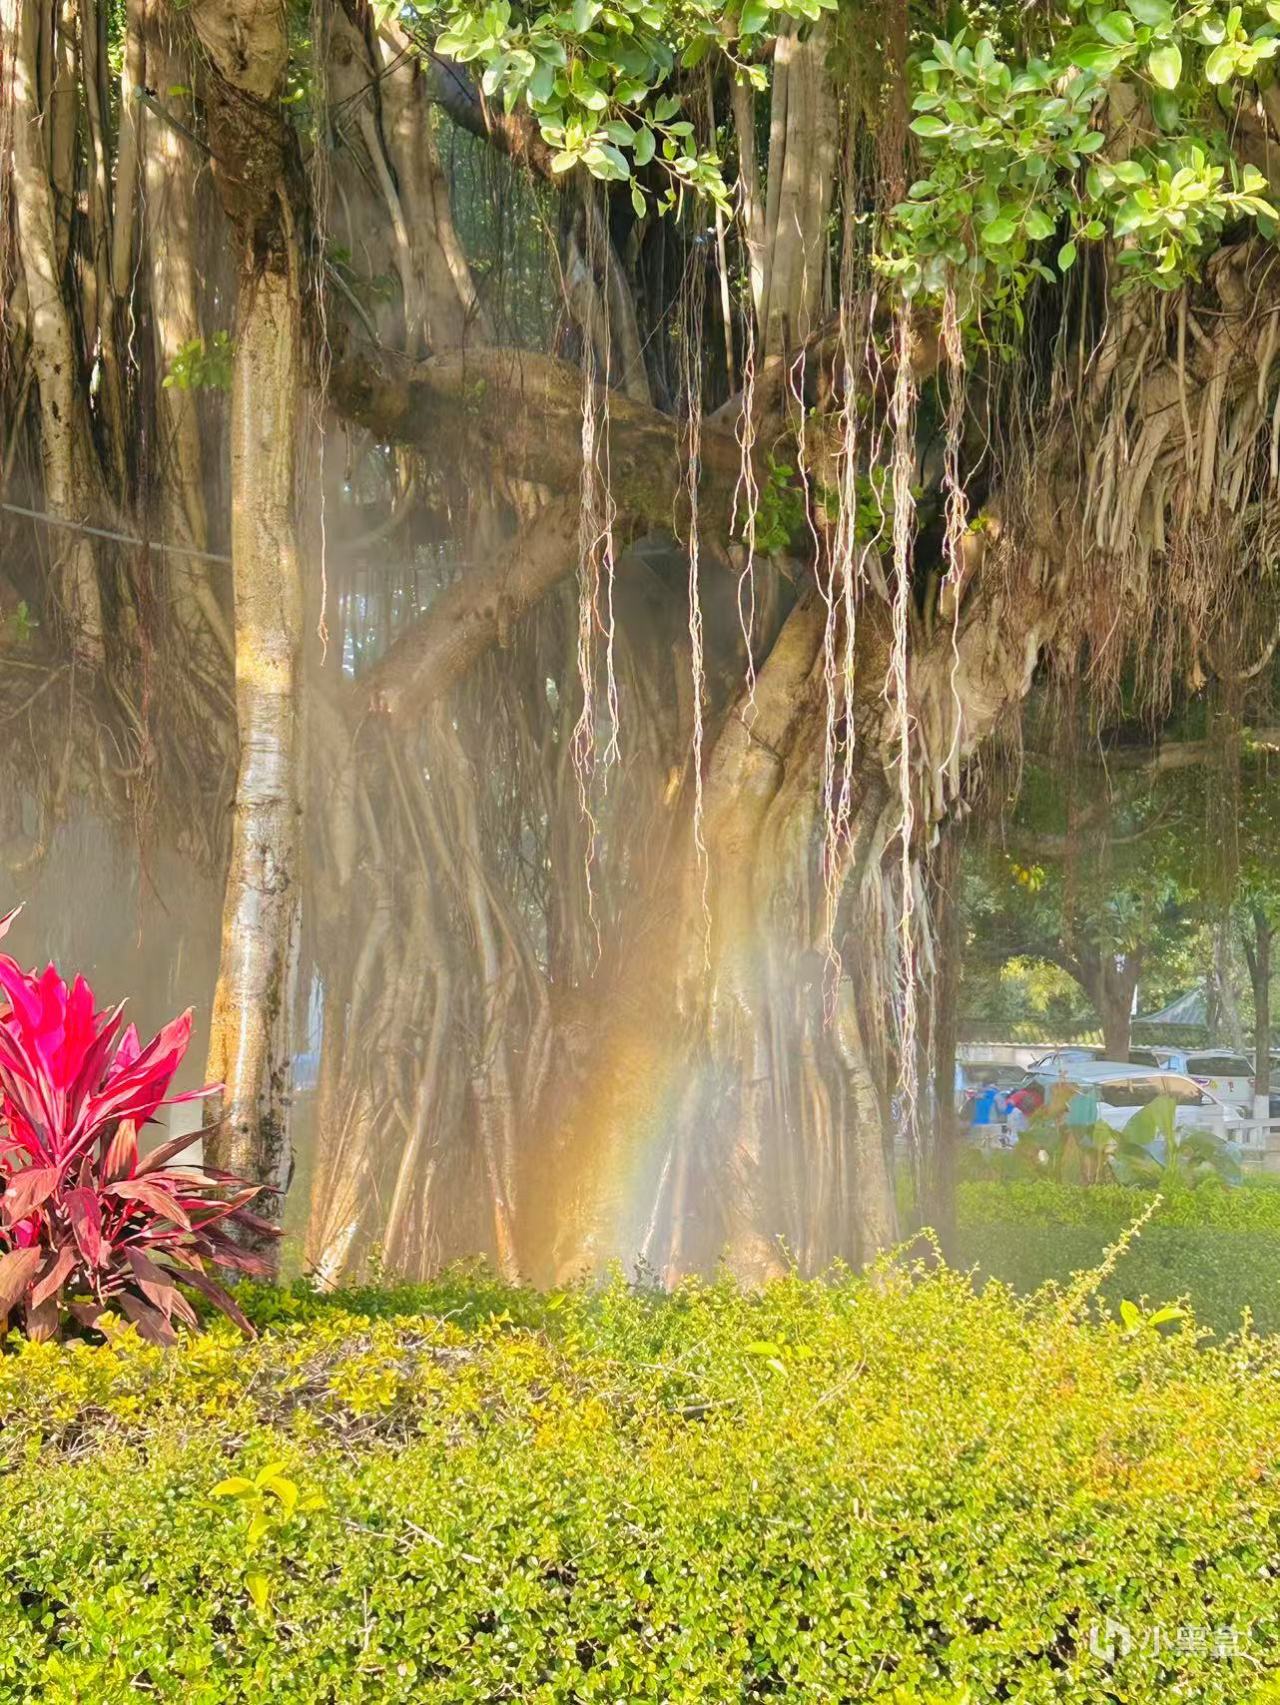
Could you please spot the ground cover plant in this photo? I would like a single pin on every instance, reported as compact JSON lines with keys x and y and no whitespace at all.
{"x":890,"y":1489}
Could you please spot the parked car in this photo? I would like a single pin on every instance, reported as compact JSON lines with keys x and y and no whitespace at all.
{"x":1121,"y":1088}
{"x":1227,"y":1074}
{"x":1060,"y":1058}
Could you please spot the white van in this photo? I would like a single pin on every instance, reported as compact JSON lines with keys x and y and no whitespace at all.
{"x":1228,"y":1075}
{"x":1122,"y":1088}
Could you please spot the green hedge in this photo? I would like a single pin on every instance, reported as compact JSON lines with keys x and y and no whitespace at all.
{"x":1041,"y":1201}
{"x":884,"y":1490}
{"x":1218,"y":1248}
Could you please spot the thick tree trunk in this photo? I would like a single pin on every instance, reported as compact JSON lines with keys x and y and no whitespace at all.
{"x":251,"y":1045}
{"x":1116,"y":1011}
{"x":70,"y":489}
{"x":250,"y":1049}
{"x":171,"y":166}
{"x":792,"y":278}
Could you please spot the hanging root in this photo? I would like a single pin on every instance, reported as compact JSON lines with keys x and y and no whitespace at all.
{"x":902,"y":416}
{"x":747,"y":493}
{"x":694,"y":297}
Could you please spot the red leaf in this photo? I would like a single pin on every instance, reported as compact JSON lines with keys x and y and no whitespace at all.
{"x":139,"y":1089}
{"x":151,"y":1324}
{"x":156,"y":1285}
{"x":85,"y":1211}
{"x":153,"y":1197}
{"x":209,"y":1287}
{"x":54,"y":1276}
{"x":16,"y":1271}
{"x":28,"y":1189}
{"x":122,"y":1151}
{"x":166,"y":1151}
{"x":42,"y":1319}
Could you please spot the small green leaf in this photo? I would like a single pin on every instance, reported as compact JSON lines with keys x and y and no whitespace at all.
{"x":236,"y":1487}
{"x":1156,"y":13}
{"x":753,"y":17}
{"x":928,"y":125}
{"x":637,"y":201}
{"x":999,"y":231}
{"x":1131,"y":1316}
{"x":1116,"y":28}
{"x":1165,"y":65}
{"x":1039,"y":224}
{"x":1162,"y":1316}
{"x":644,"y":146}
{"x":1221,"y":63}
{"x":258,"y":1586}
{"x":1067,"y":257}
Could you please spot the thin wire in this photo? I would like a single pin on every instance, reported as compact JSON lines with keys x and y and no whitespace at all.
{"x":120,"y":538}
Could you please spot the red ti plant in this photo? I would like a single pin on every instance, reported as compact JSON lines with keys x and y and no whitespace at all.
{"x":86,"y":1222}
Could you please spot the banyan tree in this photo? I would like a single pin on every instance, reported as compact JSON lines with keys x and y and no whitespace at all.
{"x":553,"y":506}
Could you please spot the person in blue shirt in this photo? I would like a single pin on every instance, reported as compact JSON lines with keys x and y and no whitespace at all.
{"x":989,"y":1105}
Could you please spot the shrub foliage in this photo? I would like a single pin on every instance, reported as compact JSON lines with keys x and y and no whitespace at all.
{"x":891,"y":1489}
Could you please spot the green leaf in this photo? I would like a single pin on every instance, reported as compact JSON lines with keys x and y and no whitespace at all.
{"x":999,"y":231}
{"x":1129,"y":172}
{"x":1039,"y":224}
{"x":236,"y":1487}
{"x":258,"y":1586}
{"x":281,"y":1487}
{"x":1162,"y":1316}
{"x":1164,"y":65}
{"x":1096,"y":57}
{"x":1067,"y":257}
{"x":1116,"y":28}
{"x":637,"y":201}
{"x":1221,"y":63}
{"x":1158,"y":14}
{"x":644,"y":146}
{"x":753,"y":17}
{"x":928,"y":125}
{"x":1131,"y":1315}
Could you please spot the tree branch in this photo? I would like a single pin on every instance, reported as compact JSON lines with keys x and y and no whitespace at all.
{"x":522,"y":413}
{"x":428,"y":660}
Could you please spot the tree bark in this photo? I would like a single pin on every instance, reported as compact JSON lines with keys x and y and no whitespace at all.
{"x":940,"y":1171}
{"x":1258,"y":957}
{"x":170,"y":169}
{"x":70,"y":490}
{"x":251,"y":1044}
